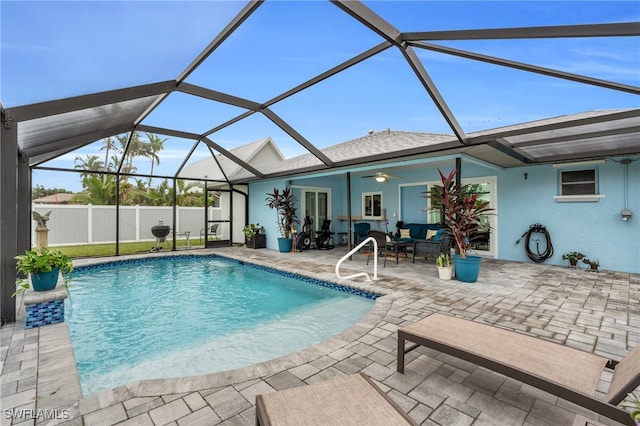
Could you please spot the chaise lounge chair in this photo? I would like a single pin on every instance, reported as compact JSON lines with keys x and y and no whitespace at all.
{"x":565,"y":372}
{"x":351,"y":400}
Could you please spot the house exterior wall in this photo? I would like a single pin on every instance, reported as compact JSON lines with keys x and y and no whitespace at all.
{"x":593,"y":228}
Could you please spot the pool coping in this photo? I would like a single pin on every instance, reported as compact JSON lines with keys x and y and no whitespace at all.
{"x":68,"y":383}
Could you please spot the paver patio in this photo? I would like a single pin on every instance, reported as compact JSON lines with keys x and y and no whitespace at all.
{"x":595,"y":312}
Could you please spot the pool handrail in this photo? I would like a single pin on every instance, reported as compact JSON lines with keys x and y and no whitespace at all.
{"x":360,"y":274}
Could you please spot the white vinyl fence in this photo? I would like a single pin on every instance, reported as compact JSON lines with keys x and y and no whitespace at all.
{"x":86,"y":224}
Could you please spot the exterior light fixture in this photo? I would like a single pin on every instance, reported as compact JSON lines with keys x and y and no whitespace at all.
{"x":626,"y":214}
{"x":381,"y":179}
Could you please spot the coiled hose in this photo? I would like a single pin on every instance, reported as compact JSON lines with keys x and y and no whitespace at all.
{"x":537,"y":257}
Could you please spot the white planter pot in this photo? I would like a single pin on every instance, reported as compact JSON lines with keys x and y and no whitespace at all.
{"x":445,"y":272}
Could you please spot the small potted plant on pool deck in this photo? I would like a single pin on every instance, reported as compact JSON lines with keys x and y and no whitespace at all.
{"x":44,"y":266}
{"x":593,"y":264}
{"x":254,"y":236}
{"x":284,"y":202}
{"x":445,"y":268}
{"x":633,"y":402}
{"x":462,"y":214}
{"x":572,"y":257}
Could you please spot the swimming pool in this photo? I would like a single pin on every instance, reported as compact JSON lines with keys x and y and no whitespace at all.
{"x":187,"y":315}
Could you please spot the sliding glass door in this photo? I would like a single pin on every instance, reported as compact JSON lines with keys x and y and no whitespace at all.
{"x":316,"y":206}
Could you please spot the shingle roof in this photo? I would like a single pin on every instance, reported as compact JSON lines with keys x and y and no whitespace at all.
{"x":394,"y":144}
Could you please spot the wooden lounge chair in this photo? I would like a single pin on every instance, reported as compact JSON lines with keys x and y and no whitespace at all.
{"x":565,"y":372}
{"x":351,"y":400}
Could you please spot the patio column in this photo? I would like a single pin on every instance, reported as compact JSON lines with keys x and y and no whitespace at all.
{"x":458,"y":185}
{"x":8,"y":216}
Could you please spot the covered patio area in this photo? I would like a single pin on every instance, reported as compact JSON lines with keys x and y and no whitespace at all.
{"x":595,"y":312}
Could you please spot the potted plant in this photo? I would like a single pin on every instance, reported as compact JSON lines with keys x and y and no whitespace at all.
{"x":445,"y":268}
{"x":44,"y":266}
{"x":254,"y":236}
{"x":462,"y":215}
{"x":572,"y":257}
{"x":633,"y":402}
{"x":593,"y":264}
{"x":284,"y":202}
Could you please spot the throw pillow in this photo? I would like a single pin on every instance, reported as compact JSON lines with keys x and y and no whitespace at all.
{"x":405,"y":233}
{"x":431,"y":233}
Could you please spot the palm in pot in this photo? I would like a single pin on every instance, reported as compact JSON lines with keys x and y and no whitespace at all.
{"x":462,"y":214}
{"x":284,"y":202}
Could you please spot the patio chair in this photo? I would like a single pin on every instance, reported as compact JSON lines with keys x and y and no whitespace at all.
{"x":565,"y":372}
{"x":212,"y":234}
{"x":381,"y":239}
{"x":347,"y":401}
{"x":360,"y":232}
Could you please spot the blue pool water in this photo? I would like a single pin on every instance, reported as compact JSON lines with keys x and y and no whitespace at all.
{"x":183,"y":316}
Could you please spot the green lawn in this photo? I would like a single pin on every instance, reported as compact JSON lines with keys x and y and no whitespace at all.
{"x":98,"y":250}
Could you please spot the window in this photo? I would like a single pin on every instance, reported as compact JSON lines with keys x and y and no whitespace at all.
{"x":372,"y":205}
{"x":578,"y":182}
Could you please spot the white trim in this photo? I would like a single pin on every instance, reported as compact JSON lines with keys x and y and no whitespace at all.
{"x":303,"y":201}
{"x":493,"y":199}
{"x":593,"y":198}
{"x":578,"y":164}
{"x":493,"y":218}
{"x":382,"y":208}
{"x":402,"y":185}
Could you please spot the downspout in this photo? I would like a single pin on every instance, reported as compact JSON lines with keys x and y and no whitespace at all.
{"x":350,"y":226}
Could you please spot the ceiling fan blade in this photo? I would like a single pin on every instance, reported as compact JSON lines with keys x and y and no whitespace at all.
{"x":392,"y":177}
{"x":382,"y":175}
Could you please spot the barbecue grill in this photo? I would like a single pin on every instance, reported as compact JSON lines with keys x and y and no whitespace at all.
{"x":160,"y":231}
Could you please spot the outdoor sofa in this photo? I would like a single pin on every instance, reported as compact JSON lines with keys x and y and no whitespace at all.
{"x":428,"y":239}
{"x":565,"y":372}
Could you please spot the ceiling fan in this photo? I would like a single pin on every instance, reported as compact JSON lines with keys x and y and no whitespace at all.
{"x":382,"y":177}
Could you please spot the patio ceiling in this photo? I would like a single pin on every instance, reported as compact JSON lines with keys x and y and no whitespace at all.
{"x":47,"y":130}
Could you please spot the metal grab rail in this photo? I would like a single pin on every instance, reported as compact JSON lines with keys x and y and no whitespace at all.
{"x":355,"y":249}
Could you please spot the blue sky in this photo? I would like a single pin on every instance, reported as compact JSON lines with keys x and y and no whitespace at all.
{"x":53,"y":50}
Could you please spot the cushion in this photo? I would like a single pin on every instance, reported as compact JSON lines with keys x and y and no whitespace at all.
{"x":431,"y":233}
{"x":438,"y":235}
{"x":416,"y":230}
{"x":405,"y":233}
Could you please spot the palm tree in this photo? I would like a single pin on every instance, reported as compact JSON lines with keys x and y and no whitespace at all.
{"x":90,"y":163}
{"x":187,"y":196}
{"x":162,"y":195}
{"x":136,"y":149}
{"x":155,"y":145}
{"x":109,"y":145}
{"x":97,"y":191}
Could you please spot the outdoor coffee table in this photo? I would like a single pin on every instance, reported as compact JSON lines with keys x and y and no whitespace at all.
{"x":398,"y":246}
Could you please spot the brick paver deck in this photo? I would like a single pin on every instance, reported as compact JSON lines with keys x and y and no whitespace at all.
{"x":594,"y":312}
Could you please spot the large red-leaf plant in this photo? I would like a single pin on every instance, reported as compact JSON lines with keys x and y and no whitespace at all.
{"x":285,"y":204}
{"x":461,"y":210}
